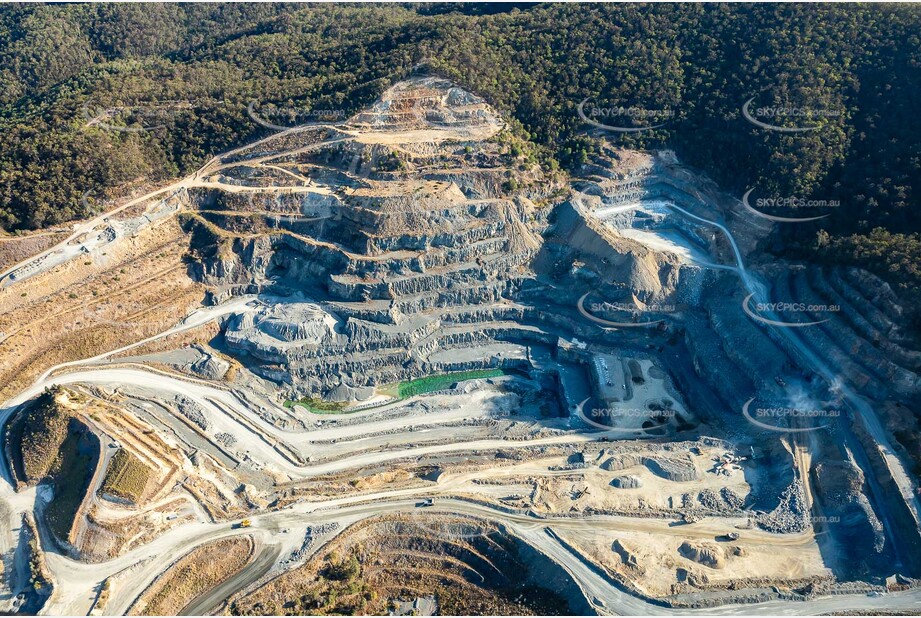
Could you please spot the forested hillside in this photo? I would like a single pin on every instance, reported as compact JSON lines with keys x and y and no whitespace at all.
{"x":71,"y":76}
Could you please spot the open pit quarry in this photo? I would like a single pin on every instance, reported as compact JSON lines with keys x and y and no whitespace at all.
{"x":392,"y":365}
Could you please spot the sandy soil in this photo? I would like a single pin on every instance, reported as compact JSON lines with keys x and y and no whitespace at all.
{"x":194,"y":574}
{"x":658,"y":560}
{"x":94,"y":304}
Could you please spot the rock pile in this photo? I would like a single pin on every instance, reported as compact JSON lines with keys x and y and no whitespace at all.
{"x":192,"y":411}
{"x":791,"y":515}
{"x":707,"y":554}
{"x":627,"y":482}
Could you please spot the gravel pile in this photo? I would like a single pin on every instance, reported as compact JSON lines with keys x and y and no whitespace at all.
{"x":225,"y":438}
{"x":627,"y":482}
{"x":309,"y":537}
{"x":192,"y":411}
{"x":710,"y":500}
{"x":791,"y":514}
{"x":731,"y":498}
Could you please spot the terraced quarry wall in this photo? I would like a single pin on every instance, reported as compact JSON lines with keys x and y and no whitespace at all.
{"x":401,"y":368}
{"x":474,"y":568}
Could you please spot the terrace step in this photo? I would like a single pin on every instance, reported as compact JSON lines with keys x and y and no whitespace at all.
{"x":817,"y":339}
{"x":909,"y":359}
{"x":745,"y":343}
{"x":875,"y":291}
{"x":857,"y":348}
{"x":712,"y":364}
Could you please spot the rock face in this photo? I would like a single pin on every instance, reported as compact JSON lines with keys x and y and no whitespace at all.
{"x":410,"y":232}
{"x":851,"y":516}
{"x":210,"y":366}
{"x":398,"y":243}
{"x":626,"y":200}
{"x":791,"y":515}
{"x":419,"y":237}
{"x":430,"y":103}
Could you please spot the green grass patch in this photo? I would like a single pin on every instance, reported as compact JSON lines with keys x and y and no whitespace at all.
{"x":126,"y":477}
{"x":400,"y":390}
{"x":318,"y":406}
{"x":428,"y":384}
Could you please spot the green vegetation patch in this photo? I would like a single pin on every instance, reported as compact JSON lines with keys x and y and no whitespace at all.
{"x":342,"y":587}
{"x":401,"y":390}
{"x":318,"y":406}
{"x":442,"y":381}
{"x":39,"y":577}
{"x":126,"y":477}
{"x":895,"y":258}
{"x":49,"y":444}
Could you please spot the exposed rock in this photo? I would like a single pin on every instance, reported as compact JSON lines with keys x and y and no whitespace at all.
{"x":709,"y":499}
{"x":673,"y":468}
{"x":211,"y":367}
{"x":402,"y":265}
{"x":225,"y":438}
{"x":731,"y":498}
{"x":192,"y":411}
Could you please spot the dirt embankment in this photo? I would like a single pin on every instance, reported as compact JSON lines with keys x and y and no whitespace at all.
{"x":48,"y":442}
{"x":452,"y":565}
{"x":94,"y":303}
{"x":14,"y":249}
{"x":193,"y":574}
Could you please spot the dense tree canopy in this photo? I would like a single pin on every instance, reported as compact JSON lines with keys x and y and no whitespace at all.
{"x":190,"y":70}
